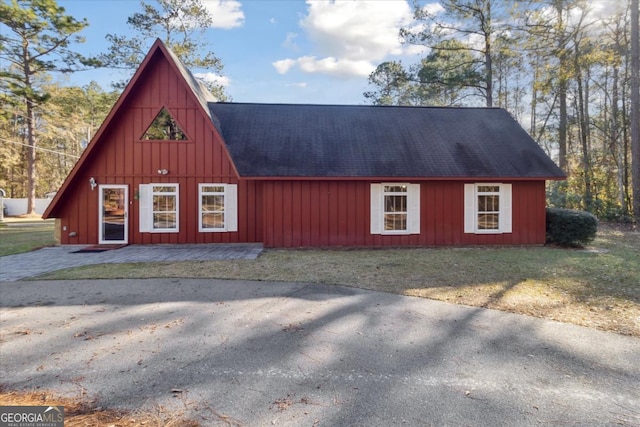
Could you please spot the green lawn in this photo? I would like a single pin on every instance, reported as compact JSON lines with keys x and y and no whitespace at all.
{"x":19,"y":237}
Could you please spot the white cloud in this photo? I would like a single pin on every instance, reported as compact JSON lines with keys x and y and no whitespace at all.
{"x":328,"y":65}
{"x":284,"y":65}
{"x":357,"y":30}
{"x":336,"y":67}
{"x":433,"y":8}
{"x":350,"y":36}
{"x":299,"y":84}
{"x":213,"y":78}
{"x":289,"y":42}
{"x":225,"y":14}
{"x":273,"y":21}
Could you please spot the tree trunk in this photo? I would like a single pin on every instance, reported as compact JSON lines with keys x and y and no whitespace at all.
{"x":635,"y":109}
{"x":487,"y":57}
{"x":31,"y":140}
{"x":583,"y":119}
{"x":617,"y":142}
{"x":31,"y":161}
{"x":562,"y":91}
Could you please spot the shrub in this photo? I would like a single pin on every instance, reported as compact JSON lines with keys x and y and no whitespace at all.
{"x":569,"y":227}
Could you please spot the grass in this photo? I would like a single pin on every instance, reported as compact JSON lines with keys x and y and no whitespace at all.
{"x":20,"y":237}
{"x":598,"y":287}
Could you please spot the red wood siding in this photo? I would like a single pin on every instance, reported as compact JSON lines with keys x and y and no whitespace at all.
{"x":279,"y":213}
{"x":337,"y":213}
{"x":121,"y":158}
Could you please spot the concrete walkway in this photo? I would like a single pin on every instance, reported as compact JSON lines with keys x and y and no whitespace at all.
{"x":21,"y":266}
{"x":239,"y":353}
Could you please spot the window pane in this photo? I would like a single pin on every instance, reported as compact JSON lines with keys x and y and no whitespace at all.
{"x":164,"y":203}
{"x":395,"y":203}
{"x":488,"y":189}
{"x":164,"y":220}
{"x":212,"y":220}
{"x":488,"y":221}
{"x":395,"y":222}
{"x":164,"y":189}
{"x":395,"y":188}
{"x":212,"y":207}
{"x":488,"y":203}
{"x":212,"y":203}
{"x":164,"y":128}
{"x":212,"y":189}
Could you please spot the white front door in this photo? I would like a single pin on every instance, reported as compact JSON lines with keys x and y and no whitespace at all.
{"x":114,"y":214}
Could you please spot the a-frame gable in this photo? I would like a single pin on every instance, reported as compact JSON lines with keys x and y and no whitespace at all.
{"x":193,"y":89}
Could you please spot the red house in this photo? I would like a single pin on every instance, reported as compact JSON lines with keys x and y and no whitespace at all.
{"x":171,"y":165}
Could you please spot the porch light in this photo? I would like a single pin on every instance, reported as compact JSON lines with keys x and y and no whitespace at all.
{"x":162,"y":171}
{"x":92,"y":183}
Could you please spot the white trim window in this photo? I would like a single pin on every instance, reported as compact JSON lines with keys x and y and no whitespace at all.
{"x":159,"y":208}
{"x":217,"y":208}
{"x":487,"y":208}
{"x":395,"y":208}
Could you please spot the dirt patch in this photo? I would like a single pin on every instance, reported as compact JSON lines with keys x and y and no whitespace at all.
{"x":84,"y":412}
{"x":619,"y":226}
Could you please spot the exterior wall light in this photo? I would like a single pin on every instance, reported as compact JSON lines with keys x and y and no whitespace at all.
{"x":92,"y":183}
{"x":162,"y":171}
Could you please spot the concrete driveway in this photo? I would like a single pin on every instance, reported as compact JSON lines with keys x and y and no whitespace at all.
{"x":263,"y":354}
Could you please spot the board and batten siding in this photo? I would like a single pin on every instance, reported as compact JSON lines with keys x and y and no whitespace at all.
{"x":122,"y":158}
{"x":337,"y":213}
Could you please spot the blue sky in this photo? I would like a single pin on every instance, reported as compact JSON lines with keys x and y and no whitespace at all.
{"x":285,"y":51}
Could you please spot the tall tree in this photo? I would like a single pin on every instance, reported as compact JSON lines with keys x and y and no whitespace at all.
{"x":181,"y":24}
{"x":551,"y":26}
{"x":635,"y":109}
{"x":36,"y":39}
{"x":466,"y":21}
{"x":66,"y":126}
{"x":447,"y":74}
{"x":443,"y":77}
{"x":391,"y":83}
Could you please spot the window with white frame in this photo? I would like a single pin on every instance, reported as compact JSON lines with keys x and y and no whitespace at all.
{"x":395,"y":208}
{"x":487,"y":208}
{"x":159,"y":208}
{"x":217,"y":207}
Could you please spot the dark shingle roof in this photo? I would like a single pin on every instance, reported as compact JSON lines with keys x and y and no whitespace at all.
{"x":273,"y":140}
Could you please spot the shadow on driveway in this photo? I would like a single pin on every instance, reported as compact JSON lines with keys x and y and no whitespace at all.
{"x":265,"y":353}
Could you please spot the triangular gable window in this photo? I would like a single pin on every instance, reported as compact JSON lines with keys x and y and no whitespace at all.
{"x":164,"y":128}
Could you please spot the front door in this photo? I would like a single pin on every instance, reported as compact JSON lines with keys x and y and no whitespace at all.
{"x":114,"y":223}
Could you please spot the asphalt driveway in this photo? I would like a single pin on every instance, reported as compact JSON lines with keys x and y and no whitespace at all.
{"x":262,"y":353}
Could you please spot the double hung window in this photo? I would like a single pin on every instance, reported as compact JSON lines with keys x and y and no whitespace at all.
{"x":487,"y":208}
{"x":165,"y":207}
{"x":159,"y":208}
{"x":395,"y":208}
{"x":217,"y":207}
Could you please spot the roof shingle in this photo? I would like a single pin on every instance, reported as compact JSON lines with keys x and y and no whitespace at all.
{"x":286,"y":140}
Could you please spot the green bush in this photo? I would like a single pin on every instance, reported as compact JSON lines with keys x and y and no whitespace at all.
{"x":569,"y":227}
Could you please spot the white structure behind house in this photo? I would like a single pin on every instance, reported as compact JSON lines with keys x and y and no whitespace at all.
{"x":15,"y":207}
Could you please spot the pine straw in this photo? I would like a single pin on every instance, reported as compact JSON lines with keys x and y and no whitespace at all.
{"x":80,"y":412}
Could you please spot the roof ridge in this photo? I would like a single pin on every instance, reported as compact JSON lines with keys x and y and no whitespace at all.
{"x":288,"y":104}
